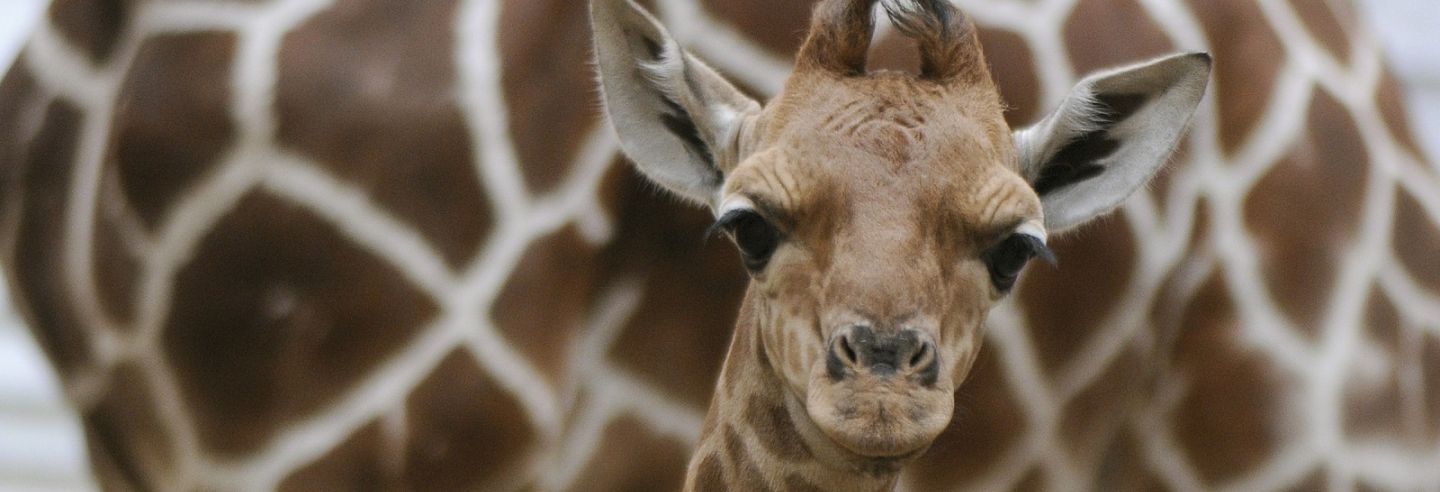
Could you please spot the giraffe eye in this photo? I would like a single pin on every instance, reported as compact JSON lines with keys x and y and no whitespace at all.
{"x":755,"y":236}
{"x":1006,"y":259}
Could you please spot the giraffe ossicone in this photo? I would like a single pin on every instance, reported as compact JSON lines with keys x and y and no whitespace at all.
{"x":880,"y":215}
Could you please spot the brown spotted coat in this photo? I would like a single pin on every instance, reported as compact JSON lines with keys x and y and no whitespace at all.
{"x":343,"y":244}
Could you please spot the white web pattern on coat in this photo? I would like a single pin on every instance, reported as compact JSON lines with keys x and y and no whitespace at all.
{"x":253,"y":164}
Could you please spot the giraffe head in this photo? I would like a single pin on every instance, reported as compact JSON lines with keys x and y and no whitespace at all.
{"x":881,"y":215}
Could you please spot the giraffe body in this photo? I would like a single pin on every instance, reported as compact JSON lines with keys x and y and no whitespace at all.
{"x":289,"y":244}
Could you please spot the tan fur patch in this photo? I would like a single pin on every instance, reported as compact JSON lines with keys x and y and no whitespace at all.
{"x":772,"y":426}
{"x":710,"y":477}
{"x":747,"y":476}
{"x":797,"y":483}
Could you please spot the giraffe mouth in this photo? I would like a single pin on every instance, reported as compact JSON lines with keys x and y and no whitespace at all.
{"x":880,"y":418}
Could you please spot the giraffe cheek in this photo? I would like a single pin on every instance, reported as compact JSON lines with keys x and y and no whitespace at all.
{"x":791,"y":350}
{"x":958,"y":354}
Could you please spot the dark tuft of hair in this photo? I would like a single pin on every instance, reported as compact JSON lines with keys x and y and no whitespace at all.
{"x":841,"y":32}
{"x":949,"y":47}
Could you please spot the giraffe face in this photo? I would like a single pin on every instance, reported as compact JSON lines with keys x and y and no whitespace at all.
{"x":880,"y":220}
{"x":880,"y":215}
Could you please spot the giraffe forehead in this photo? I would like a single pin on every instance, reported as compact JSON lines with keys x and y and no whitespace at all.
{"x":895,"y":135}
{"x":821,"y":105}
{"x":833,"y":201}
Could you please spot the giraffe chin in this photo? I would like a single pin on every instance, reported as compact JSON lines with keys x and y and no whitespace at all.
{"x":881,"y":419}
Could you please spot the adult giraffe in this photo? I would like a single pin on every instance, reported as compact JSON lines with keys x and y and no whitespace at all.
{"x":282,"y":244}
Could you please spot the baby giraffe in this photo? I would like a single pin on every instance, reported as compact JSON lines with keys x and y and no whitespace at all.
{"x":880,"y":216}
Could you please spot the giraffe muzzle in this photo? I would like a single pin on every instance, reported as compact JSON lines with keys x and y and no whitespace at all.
{"x":879,"y":394}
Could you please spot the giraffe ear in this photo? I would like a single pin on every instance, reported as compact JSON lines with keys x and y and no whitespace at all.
{"x":676,"y":118}
{"x":1109,"y":136}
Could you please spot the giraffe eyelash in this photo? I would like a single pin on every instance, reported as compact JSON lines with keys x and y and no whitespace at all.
{"x":1006,"y":259}
{"x":756,"y":237}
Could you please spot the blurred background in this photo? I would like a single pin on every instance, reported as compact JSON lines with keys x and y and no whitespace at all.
{"x":41,"y":446}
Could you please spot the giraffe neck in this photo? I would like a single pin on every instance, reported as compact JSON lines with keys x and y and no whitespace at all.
{"x":758,"y":435}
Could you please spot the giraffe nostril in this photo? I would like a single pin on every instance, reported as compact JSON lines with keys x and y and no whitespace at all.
{"x":841,"y":360}
{"x":920,"y":355}
{"x":926,"y":364}
{"x":848,"y":351}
